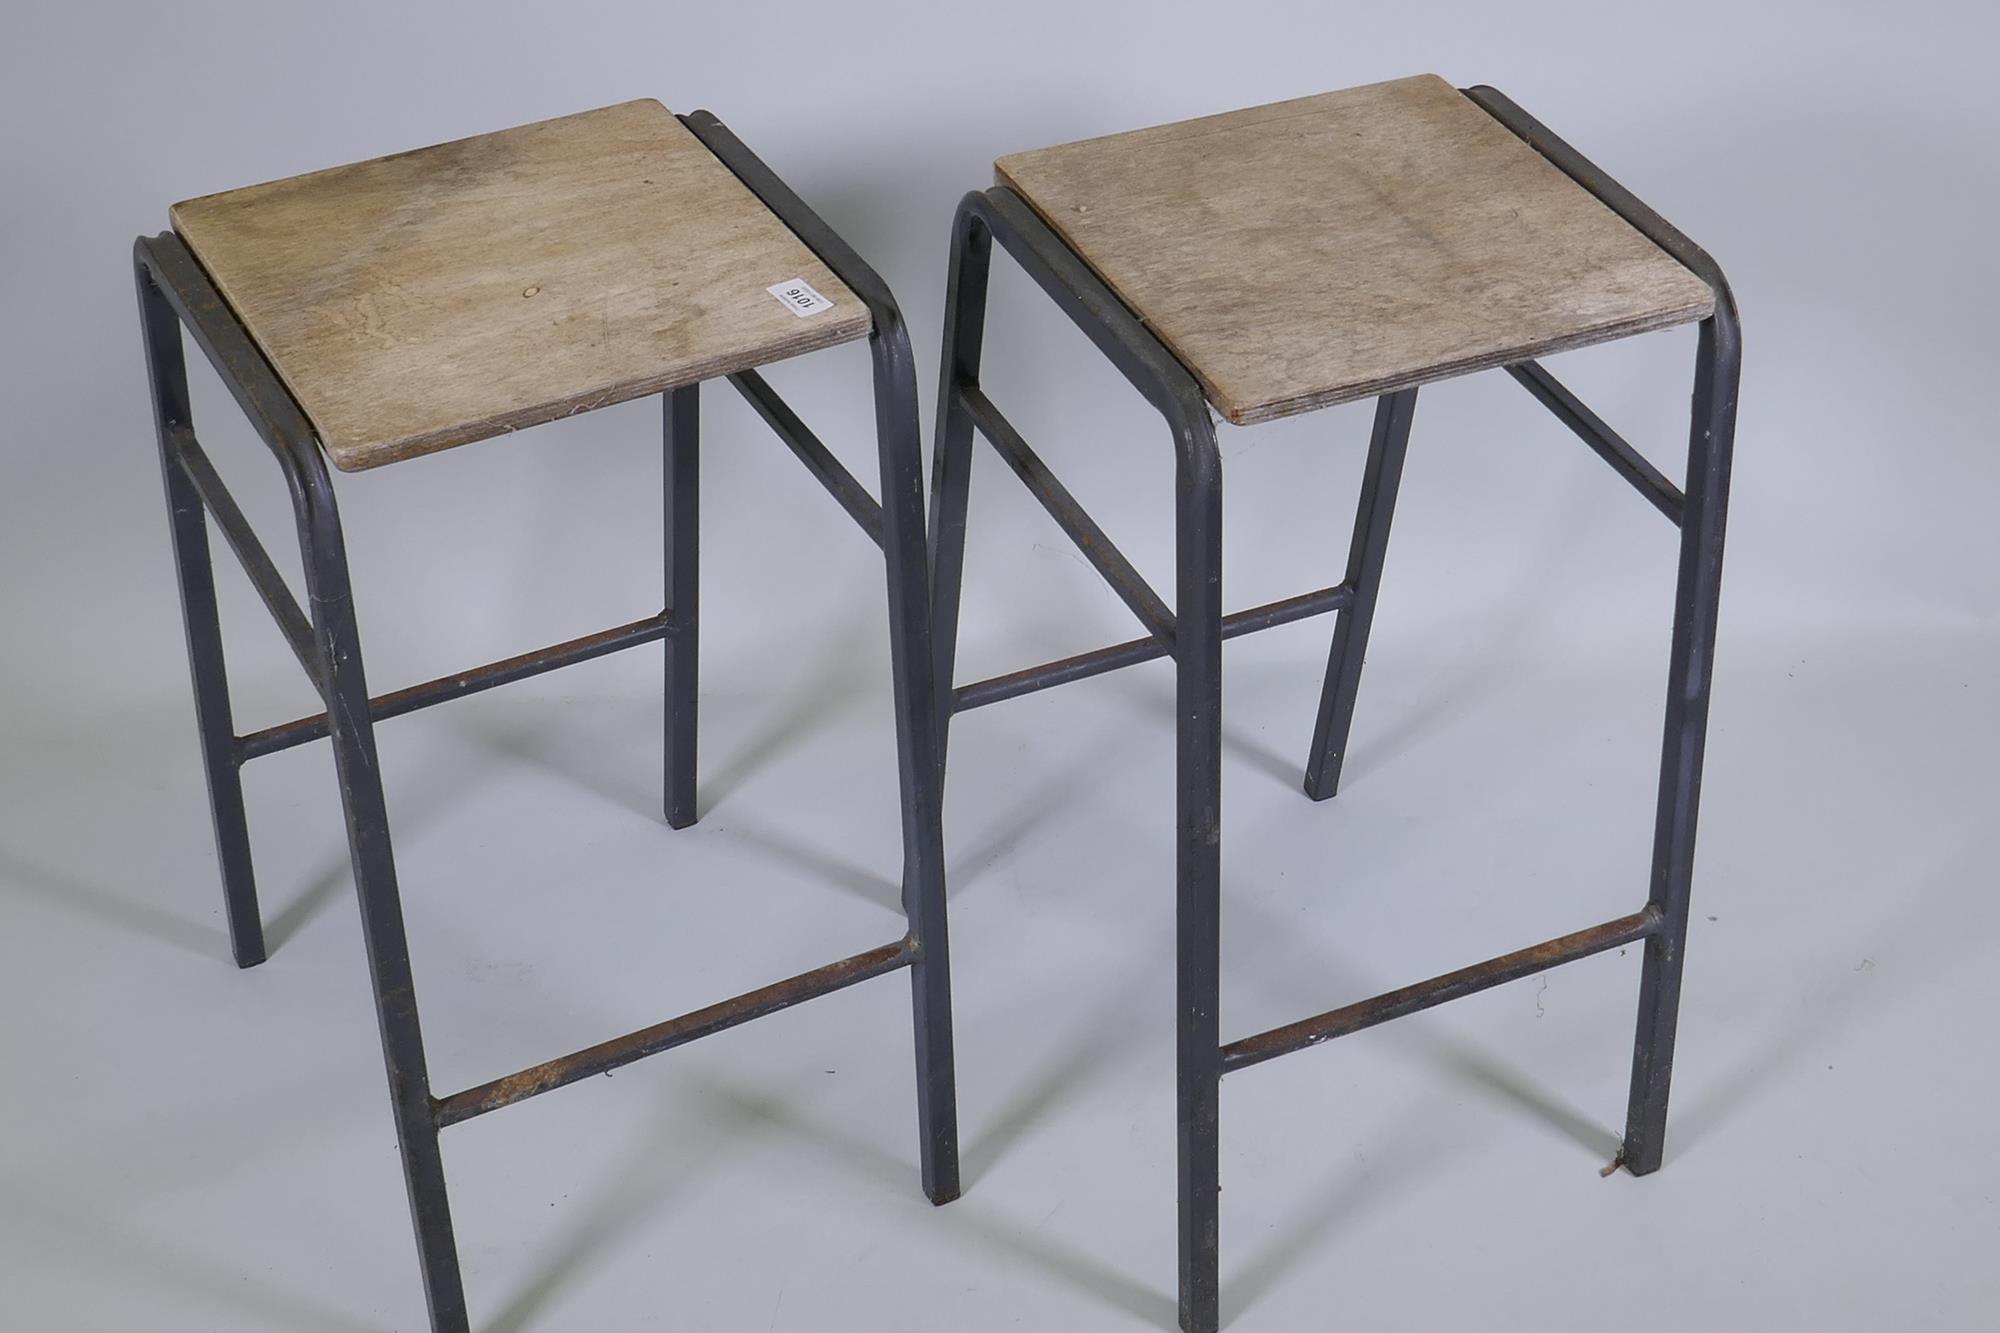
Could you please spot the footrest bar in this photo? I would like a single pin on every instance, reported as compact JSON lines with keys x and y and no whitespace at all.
{"x":459,"y":684}
{"x":819,"y":460}
{"x":1396,"y":1003}
{"x":620,"y":1051}
{"x":1030,"y":679}
{"x":1628,"y":462}
{"x":1103,"y":555}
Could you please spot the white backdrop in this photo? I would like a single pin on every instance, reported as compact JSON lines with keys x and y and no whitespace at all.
{"x":187,"y":1147}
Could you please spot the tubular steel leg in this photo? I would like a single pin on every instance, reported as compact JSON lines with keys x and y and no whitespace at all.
{"x":951,"y":464}
{"x":1711,"y":438}
{"x":919,"y":765}
{"x":1166,"y":384}
{"x":167,"y":368}
{"x":682,"y":469}
{"x":1198,"y":652}
{"x":1365,"y":557}
{"x":388,"y":947}
{"x":911,"y":654}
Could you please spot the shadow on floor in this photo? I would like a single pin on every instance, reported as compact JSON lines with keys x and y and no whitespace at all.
{"x":179,"y":1273}
{"x":22,"y":878}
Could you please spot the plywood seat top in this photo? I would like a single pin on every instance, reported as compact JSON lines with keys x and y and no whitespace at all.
{"x":1341,"y":246}
{"x":428,"y":299}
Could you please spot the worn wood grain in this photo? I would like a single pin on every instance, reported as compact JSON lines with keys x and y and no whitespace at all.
{"x":424,"y":300}
{"x":1349,"y":244}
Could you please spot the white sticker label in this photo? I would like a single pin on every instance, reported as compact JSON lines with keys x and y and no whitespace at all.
{"x":797,"y":295}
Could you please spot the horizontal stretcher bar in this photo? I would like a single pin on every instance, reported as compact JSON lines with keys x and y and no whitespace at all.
{"x":1626,"y":461}
{"x":461,"y":683}
{"x":1133,"y":651}
{"x":1467,"y":980}
{"x":621,"y":1051}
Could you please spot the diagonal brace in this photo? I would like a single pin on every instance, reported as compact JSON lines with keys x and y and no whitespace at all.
{"x":841,"y":484}
{"x":1098,"y":549}
{"x":1609,"y":445}
{"x":257,"y":562}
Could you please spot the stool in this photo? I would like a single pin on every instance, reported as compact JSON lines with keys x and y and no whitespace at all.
{"x":393,"y":308}
{"x":1288,"y":257}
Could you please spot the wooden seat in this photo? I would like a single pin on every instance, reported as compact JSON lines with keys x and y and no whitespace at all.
{"x":1347,"y":245}
{"x":428,"y":299}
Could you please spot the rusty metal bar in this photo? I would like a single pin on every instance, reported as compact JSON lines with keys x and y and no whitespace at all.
{"x":620,"y":1051}
{"x":1609,"y":445}
{"x":461,"y":683}
{"x":1133,"y":651}
{"x":1078,"y":526}
{"x":819,"y":460}
{"x":1467,"y":980}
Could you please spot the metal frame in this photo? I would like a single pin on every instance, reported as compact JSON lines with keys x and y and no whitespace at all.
{"x":174,"y":293}
{"x":1192,"y":632}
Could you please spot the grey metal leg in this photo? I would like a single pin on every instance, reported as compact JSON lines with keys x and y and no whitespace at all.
{"x":682,"y":470}
{"x":1365,"y":557}
{"x":1696,"y":602}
